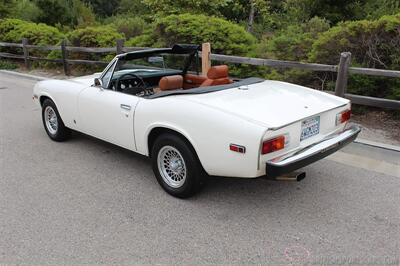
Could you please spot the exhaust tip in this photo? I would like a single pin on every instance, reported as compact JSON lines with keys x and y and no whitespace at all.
{"x":295,"y":176}
{"x":301,"y":176}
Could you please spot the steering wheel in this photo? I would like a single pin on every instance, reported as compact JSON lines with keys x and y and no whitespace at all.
{"x":137,"y":88}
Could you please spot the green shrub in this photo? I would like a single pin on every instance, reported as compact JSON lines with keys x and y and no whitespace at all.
{"x":9,"y":25}
{"x":129,"y":26}
{"x":5,"y":64}
{"x":148,"y":39}
{"x":294,"y":42}
{"x":373,"y":44}
{"x":226,"y":37}
{"x":100,"y":36}
{"x":381,"y":87}
{"x":13,"y":30}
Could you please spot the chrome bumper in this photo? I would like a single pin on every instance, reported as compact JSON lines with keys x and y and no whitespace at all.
{"x":295,"y":160}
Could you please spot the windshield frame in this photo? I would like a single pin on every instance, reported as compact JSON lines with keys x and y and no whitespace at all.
{"x":190,"y":50}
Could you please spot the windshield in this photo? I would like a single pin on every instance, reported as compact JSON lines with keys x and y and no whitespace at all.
{"x":155,"y":65}
{"x":161,"y":72}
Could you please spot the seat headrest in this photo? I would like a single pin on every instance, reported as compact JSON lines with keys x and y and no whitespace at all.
{"x":171,"y":83}
{"x":218,"y":72}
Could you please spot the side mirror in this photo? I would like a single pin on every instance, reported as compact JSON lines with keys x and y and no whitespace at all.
{"x":98,"y":82}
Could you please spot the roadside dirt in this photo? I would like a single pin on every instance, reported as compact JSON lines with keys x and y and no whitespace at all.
{"x":378,"y":126}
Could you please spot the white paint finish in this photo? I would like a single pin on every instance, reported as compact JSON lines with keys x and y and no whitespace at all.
{"x":210,"y":121}
{"x":86,"y":80}
{"x":327,"y":127}
{"x":271,"y":103}
{"x":102,"y":114}
{"x":64,"y":94}
{"x":210,"y":131}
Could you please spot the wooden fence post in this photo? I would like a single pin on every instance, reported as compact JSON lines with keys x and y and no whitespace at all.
{"x":205,"y":58}
{"x":26,"y":52}
{"x":343,"y":74}
{"x":120,"y":46}
{"x":64,"y":58}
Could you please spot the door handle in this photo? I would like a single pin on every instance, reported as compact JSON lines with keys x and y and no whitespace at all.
{"x":125,"y":107}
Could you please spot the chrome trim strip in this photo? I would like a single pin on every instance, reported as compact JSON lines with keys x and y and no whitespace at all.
{"x":125,"y":107}
{"x":111,"y":64}
{"x":106,"y":68}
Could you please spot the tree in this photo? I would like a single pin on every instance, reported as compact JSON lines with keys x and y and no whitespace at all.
{"x":167,"y":7}
{"x":226,"y":37}
{"x":26,"y":10}
{"x":332,"y":10}
{"x":375,"y":9}
{"x":104,"y":8}
{"x":66,"y":13}
{"x":59,"y":12}
{"x":251,"y":16}
{"x":136,"y":7}
{"x":256,"y":6}
{"x":5,"y":7}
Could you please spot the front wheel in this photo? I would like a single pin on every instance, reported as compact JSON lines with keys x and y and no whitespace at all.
{"x":53,"y":123}
{"x":176,"y":166}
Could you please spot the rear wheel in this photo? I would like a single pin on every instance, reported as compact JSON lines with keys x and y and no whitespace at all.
{"x":53,"y":123}
{"x":176,"y":166}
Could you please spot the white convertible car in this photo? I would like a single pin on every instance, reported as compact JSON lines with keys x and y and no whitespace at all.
{"x":152,"y":102}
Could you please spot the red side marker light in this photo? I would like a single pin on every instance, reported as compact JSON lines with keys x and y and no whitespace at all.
{"x":237,"y":148}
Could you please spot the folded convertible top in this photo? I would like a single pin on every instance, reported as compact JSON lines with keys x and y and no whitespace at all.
{"x":207,"y":89}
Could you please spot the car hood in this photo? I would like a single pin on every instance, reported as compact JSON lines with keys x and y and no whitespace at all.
{"x":85,"y":80}
{"x":271,"y":103}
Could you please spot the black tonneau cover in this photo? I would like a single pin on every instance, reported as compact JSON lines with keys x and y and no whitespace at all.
{"x":207,"y":89}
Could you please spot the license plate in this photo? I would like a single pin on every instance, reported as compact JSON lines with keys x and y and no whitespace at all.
{"x":309,"y":128}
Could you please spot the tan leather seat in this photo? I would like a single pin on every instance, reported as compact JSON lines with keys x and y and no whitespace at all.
{"x":171,"y":83}
{"x":217,"y":75}
{"x":193,"y":81}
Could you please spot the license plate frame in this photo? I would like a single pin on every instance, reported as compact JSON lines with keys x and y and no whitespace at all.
{"x":310,"y":128}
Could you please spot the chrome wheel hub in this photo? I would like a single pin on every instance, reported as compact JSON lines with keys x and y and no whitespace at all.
{"x":50,"y":118}
{"x":171,"y":166}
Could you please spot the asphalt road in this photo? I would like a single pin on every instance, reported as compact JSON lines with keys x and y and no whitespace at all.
{"x":88,"y":202}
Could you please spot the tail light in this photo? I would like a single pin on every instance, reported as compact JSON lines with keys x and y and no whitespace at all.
{"x":272,"y":145}
{"x":343,"y":117}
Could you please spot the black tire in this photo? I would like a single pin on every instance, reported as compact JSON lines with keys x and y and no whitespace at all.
{"x":195,"y":175}
{"x":61,"y":133}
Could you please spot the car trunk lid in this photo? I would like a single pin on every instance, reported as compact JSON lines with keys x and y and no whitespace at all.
{"x":271,"y":103}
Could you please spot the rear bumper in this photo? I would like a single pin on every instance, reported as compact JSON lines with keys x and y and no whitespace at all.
{"x":293,"y":161}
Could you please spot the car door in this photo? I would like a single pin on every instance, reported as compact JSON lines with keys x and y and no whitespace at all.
{"x":107,"y":114}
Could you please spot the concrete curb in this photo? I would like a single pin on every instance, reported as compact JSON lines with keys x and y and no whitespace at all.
{"x":377,"y":144}
{"x":23,"y":75}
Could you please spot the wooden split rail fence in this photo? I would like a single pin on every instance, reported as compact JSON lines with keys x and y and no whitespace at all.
{"x":343,"y":69}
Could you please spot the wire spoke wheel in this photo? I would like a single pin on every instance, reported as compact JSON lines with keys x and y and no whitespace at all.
{"x":171,"y":166}
{"x":51,"y":121}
